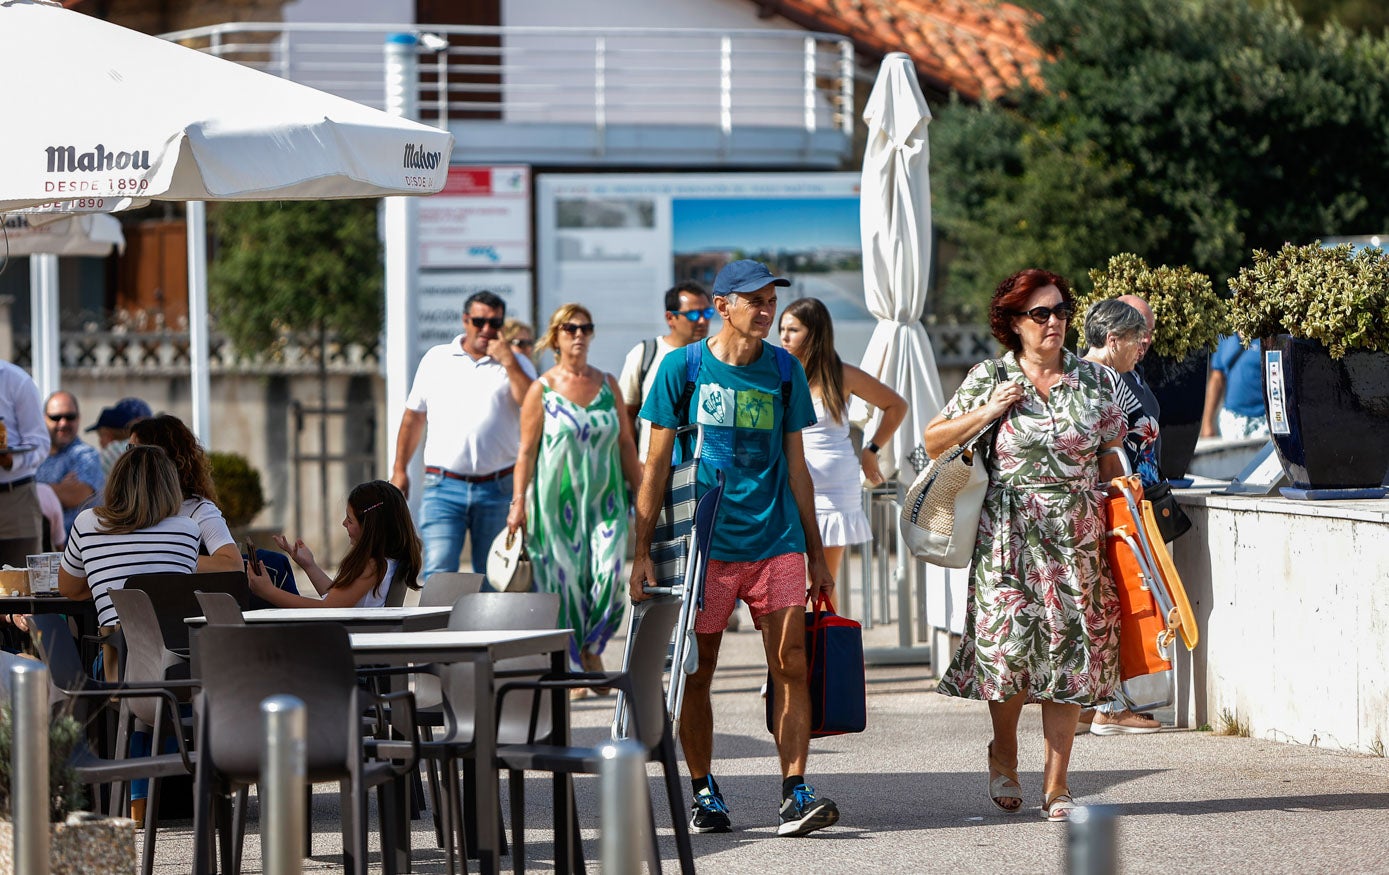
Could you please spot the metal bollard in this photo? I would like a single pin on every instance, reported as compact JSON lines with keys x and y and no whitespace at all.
{"x":29,"y":764}
{"x":282,"y":771}
{"x":1092,"y":846}
{"x":625,"y":841}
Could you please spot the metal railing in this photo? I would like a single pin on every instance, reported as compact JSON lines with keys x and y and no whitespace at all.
{"x":726,"y":79}
{"x":166,"y":353}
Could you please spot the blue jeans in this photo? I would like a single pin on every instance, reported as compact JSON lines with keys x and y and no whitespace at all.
{"x":451,"y":509}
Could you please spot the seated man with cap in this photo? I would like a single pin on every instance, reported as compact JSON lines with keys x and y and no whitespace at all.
{"x":113,"y":429}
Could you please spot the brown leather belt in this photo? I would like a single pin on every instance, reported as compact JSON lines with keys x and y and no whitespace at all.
{"x":470,"y":478}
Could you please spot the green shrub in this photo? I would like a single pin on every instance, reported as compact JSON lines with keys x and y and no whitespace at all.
{"x":1335,"y":296}
{"x":239,"y":493}
{"x":1189,"y":316}
{"x":65,"y":792}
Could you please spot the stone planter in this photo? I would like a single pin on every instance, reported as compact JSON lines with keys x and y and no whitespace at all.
{"x":88,"y":844}
{"x":1335,"y":414}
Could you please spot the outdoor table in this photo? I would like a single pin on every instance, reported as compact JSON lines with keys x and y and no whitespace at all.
{"x":482,"y":650}
{"x":411,"y":619}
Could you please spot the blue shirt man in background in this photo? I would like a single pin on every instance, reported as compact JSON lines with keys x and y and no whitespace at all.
{"x":1235,"y":392}
{"x":73,"y":468}
{"x":766,"y":547}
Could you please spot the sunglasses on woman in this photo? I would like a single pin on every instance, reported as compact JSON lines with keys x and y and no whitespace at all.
{"x":584,"y":328}
{"x":495,"y":323}
{"x":523,"y":343}
{"x":1062,"y":311}
{"x":696,"y":315}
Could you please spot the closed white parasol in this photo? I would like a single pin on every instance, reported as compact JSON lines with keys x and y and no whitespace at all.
{"x":895,"y":222}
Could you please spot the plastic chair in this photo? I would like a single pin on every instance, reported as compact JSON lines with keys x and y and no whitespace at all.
{"x":174,"y":601}
{"x":243,"y":665}
{"x":220,"y":608}
{"x":643,"y":689}
{"x":474,"y":612}
{"x":157,"y":680}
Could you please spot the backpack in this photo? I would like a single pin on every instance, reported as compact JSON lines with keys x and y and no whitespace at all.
{"x":648,"y":355}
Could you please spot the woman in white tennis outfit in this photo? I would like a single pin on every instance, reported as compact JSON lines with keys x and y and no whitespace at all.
{"x":807,"y":332}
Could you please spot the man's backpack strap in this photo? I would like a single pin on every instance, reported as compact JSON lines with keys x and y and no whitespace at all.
{"x":694,"y":355}
{"x":783,"y":367}
{"x":648,"y":355}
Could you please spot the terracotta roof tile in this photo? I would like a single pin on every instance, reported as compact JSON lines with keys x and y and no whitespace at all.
{"x":978,"y":48}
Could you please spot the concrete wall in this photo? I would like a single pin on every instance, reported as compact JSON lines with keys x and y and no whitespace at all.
{"x":1293,"y":604}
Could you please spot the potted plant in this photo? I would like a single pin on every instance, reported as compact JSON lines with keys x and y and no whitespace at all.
{"x":79,"y":841}
{"x":1188,"y":320}
{"x":239,"y":492}
{"x":1322,"y":314}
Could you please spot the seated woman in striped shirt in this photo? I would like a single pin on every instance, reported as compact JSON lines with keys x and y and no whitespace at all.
{"x":138,"y":530}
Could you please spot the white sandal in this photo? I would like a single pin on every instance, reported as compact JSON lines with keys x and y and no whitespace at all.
{"x":1005,"y":785}
{"x":1058,"y":808}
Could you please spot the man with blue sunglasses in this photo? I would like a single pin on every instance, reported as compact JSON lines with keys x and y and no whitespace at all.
{"x":689,"y":310}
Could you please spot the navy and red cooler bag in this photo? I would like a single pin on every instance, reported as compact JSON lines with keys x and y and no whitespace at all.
{"x":834,"y":660}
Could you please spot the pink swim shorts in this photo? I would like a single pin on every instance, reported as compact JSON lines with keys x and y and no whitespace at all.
{"x":767,"y":585}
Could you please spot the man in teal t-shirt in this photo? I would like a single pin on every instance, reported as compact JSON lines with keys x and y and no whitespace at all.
{"x":766,"y":547}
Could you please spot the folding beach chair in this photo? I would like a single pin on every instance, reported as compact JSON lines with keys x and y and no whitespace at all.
{"x":680,"y":554}
{"x":1154,"y":611}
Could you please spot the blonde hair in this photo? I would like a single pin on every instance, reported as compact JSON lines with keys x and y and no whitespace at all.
{"x":565,"y":313}
{"x":141,"y":490}
{"x":512,"y":328}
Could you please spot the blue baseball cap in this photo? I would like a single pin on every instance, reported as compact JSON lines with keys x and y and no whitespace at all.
{"x":122,"y":414}
{"x":745,"y":275}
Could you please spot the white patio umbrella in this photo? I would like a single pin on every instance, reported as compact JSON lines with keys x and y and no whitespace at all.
{"x":127,"y":115}
{"x":895,"y":223}
{"x":45,"y":238}
{"x":93,"y":234}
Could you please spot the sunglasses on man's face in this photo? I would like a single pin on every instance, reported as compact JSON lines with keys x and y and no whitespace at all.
{"x":584,"y":328}
{"x":59,"y":417}
{"x":696,"y":315}
{"x":1062,"y":311}
{"x":495,"y":323}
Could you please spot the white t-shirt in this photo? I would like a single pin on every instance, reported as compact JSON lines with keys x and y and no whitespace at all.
{"x":633,"y":394}
{"x":474,"y":424}
{"x":106,"y":560}
{"x":212,"y":526}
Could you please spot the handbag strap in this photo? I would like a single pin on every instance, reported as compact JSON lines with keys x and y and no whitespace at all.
{"x":991,"y":430}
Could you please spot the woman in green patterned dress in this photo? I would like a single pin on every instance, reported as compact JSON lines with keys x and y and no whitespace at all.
{"x":1042,"y":620}
{"x":576,"y":461}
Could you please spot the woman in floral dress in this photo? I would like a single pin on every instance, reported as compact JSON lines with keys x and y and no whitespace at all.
{"x":570,"y":496}
{"x":1042,"y":621}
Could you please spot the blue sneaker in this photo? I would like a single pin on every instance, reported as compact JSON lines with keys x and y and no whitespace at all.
{"x":709,"y":813}
{"x":802,"y":813}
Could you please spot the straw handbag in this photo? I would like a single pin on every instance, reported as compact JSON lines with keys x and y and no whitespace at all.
{"x":940,"y":515}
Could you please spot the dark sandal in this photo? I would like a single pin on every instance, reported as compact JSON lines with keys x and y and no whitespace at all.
{"x":1005,"y":785}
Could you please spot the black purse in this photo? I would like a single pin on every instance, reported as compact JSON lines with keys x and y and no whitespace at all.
{"x":1172,"y":521}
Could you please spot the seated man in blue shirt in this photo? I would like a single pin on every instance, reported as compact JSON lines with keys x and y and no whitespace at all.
{"x":1237,"y":382}
{"x":753,"y":400}
{"x":73,"y":468}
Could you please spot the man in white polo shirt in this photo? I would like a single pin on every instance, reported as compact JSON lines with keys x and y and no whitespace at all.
{"x":468,"y":394}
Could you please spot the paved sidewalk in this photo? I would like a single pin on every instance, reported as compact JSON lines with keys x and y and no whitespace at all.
{"x":912,"y":792}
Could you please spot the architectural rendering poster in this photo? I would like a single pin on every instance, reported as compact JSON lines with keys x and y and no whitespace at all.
{"x":617,"y":242}
{"x":439,"y":313}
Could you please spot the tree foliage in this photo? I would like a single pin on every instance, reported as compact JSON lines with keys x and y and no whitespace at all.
{"x":288,"y":267}
{"x":1186,"y":131}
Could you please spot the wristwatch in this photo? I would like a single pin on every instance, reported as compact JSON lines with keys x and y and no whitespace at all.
{"x":872,"y":448}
